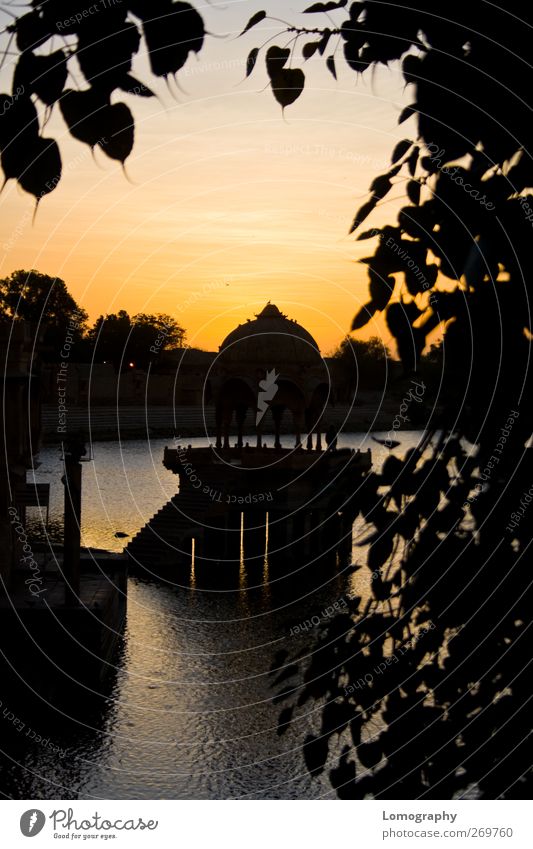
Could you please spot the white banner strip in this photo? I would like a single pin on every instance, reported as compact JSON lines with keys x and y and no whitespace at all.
{"x":268,"y":824}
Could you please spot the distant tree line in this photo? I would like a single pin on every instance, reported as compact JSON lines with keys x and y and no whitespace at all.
{"x":369,"y":365}
{"x":118,"y":338}
{"x":361,"y":365}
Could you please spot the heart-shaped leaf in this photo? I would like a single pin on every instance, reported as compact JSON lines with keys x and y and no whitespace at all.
{"x":118,"y":132}
{"x":19,"y":124}
{"x":171,"y":36}
{"x":82,"y":112}
{"x":44,"y":76}
{"x":288,"y":85}
{"x":43,"y":170}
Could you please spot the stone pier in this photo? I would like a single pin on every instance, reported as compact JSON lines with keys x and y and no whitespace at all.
{"x":231,"y":500}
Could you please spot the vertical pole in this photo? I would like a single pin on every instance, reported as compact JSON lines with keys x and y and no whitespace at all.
{"x":71,"y":543}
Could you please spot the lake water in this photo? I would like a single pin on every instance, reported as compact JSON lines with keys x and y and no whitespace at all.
{"x":189,"y":713}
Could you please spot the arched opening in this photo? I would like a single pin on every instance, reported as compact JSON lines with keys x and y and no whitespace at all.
{"x":288,"y":397}
{"x":235,"y":396}
{"x":314,"y":414}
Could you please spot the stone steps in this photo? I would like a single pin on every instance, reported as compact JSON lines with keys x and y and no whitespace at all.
{"x":163,"y":539}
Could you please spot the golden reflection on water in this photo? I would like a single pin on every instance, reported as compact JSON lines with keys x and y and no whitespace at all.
{"x":266,"y":580}
{"x":242,"y":565}
{"x":192,"y":578}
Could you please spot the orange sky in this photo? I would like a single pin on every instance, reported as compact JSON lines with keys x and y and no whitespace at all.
{"x":230,"y":204}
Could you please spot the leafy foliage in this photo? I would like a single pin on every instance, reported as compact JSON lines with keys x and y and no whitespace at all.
{"x":425,"y":685}
{"x":103,"y":43}
{"x":46,"y":304}
{"x":450,"y":584}
{"x":121,"y":339}
{"x":361,"y":364}
{"x":53,"y":313}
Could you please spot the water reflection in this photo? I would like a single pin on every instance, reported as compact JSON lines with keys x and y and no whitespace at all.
{"x":187,"y":712}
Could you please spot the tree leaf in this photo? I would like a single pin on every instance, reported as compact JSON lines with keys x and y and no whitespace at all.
{"x":43,"y":171}
{"x":284,"y":694}
{"x":315,"y":754}
{"x":255,"y":19}
{"x":44,"y":76}
{"x":324,"y":41}
{"x":401,"y":149}
{"x":32,"y":31}
{"x":362,"y":213}
{"x":287,"y":672}
{"x":381,"y":289}
{"x":83,"y":112}
{"x":363,"y":316}
{"x":370,"y":754}
{"x":251,"y":60}
{"x":288,"y":85}
{"x":413,"y":191}
{"x":343,"y":776}
{"x":285,"y":719}
{"x":171,"y":36}
{"x":118,"y":132}
{"x":411,"y":68}
{"x":413,"y":161}
{"x":368,"y":234}
{"x":330,"y":64}
{"x":310,"y":49}
{"x":130,"y":85}
{"x":276,"y":59}
{"x":406,"y":113}
{"x":381,"y":186}
{"x":325,"y":7}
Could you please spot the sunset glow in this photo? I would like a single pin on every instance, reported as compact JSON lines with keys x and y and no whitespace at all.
{"x":229,"y":203}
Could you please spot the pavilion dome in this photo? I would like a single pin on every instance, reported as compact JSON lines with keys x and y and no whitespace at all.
{"x":269,"y":340}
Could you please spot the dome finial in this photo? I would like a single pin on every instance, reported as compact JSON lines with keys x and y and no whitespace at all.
{"x":270,"y":311}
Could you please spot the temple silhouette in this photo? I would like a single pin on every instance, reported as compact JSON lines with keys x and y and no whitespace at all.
{"x":239,"y":500}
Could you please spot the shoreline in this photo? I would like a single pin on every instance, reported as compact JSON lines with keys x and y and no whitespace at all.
{"x":122,"y":424}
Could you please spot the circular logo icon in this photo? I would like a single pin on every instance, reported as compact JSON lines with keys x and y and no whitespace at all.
{"x":32,"y":822}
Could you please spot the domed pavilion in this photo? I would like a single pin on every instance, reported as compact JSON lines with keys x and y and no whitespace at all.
{"x":264,"y":367}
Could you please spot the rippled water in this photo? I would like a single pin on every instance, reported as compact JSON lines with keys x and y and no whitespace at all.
{"x":189,"y":713}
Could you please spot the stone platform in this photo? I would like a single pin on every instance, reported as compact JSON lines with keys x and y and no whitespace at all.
{"x":237,"y":505}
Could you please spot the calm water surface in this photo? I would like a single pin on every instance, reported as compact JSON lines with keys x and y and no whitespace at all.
{"x":189,"y":713}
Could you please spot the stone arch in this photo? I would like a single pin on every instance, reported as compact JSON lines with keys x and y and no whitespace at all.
{"x":235,"y":396}
{"x":314,"y":412}
{"x":290,"y":397}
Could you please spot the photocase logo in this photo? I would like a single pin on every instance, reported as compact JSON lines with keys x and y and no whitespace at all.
{"x":267,"y":390}
{"x":32,"y":822}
